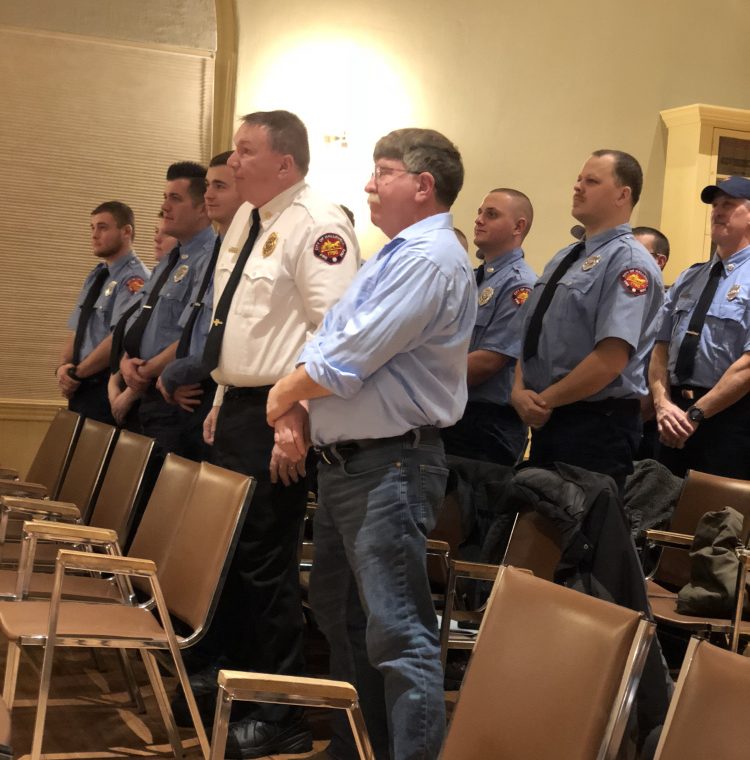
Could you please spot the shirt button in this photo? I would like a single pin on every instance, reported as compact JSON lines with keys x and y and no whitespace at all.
{"x":730,"y":267}
{"x":490,"y":270}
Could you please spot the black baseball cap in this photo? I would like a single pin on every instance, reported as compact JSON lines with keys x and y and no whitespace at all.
{"x":736,"y":187}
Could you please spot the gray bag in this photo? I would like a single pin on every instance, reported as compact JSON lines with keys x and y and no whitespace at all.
{"x":714,"y":566}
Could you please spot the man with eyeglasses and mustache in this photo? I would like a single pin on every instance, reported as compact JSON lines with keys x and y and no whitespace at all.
{"x":385,"y":371}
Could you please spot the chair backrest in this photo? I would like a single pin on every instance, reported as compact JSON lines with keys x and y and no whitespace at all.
{"x":547,"y":674}
{"x":700,"y":493}
{"x":707,"y":716}
{"x":193,"y":573}
{"x":53,"y":454}
{"x":84,"y":475}
{"x":121,"y":487}
{"x":534,"y":544}
{"x":163,"y":514}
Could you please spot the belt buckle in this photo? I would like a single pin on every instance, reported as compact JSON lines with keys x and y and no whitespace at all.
{"x":688,"y":394}
{"x":323,"y":452}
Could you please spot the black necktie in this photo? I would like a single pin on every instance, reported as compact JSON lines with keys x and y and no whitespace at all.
{"x":216,"y":334}
{"x":87,"y":309}
{"x":531,"y":342}
{"x":479,"y":274}
{"x":132,"y":340}
{"x":118,"y":334}
{"x":183,"y":347}
{"x":683,"y":367}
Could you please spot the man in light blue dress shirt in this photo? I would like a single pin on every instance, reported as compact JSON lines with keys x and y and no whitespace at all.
{"x":385,"y":371}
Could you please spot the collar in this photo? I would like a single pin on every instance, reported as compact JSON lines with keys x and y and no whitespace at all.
{"x":198,"y":242}
{"x":596,"y":242}
{"x":442,"y":221}
{"x":117,"y":266}
{"x":271,"y":210}
{"x":736,"y":259}
{"x":503,"y":261}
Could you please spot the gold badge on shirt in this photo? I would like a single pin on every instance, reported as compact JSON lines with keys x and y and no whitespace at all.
{"x":485,"y":296}
{"x":110,"y":288}
{"x":270,"y":245}
{"x":181,"y":272}
{"x":590,"y":263}
{"x":733,"y":292}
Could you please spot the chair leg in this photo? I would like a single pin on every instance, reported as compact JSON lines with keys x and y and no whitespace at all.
{"x":184,"y":679}
{"x":41,"y":707}
{"x":359,"y":730}
{"x":445,"y":625}
{"x":127,"y":672}
{"x":221,"y":725}
{"x":12,"y":662}
{"x":163,"y":702}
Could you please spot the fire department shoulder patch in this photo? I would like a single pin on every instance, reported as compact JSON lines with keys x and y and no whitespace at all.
{"x":134,"y":284}
{"x":330,"y":247}
{"x":520,"y":295}
{"x":635,"y":281}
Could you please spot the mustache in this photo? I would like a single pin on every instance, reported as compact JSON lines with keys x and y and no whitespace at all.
{"x":373,"y":198}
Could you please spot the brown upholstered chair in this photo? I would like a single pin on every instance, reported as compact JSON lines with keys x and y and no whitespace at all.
{"x":534,"y":544}
{"x":78,"y":491}
{"x":51,"y":460}
{"x":701,"y":493}
{"x":114,"y":510}
{"x":707,"y":717}
{"x":186,"y":587}
{"x":553,"y":674}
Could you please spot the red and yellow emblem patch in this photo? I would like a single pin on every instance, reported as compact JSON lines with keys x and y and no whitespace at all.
{"x":330,"y":247}
{"x":134,"y":284}
{"x":520,"y":295}
{"x":635,"y":281}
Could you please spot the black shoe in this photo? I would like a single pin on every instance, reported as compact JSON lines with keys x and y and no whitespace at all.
{"x":205,"y":688}
{"x":248,"y":738}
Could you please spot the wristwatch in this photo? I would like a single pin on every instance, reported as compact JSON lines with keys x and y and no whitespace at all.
{"x":72,"y":374}
{"x":695,"y":414}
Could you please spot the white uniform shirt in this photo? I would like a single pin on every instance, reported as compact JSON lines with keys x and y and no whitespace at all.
{"x":304,"y":258}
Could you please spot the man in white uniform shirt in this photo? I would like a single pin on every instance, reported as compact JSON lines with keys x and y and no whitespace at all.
{"x":287,"y":257}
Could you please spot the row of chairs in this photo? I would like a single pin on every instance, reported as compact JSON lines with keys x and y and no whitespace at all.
{"x":174,"y":568}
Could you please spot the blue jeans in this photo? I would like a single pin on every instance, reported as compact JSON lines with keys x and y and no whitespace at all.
{"x":371,"y":596}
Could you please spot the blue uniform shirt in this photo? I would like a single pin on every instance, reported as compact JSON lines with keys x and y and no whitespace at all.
{"x":393,"y":349}
{"x":726,"y":331}
{"x":122,"y":288}
{"x":614,"y":290}
{"x":163,"y":328}
{"x":189,"y":369}
{"x":507,"y":283}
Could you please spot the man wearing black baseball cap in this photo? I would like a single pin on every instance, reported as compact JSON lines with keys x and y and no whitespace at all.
{"x":700,"y":366}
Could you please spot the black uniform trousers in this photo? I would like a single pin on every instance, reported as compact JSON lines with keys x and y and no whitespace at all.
{"x":720,"y":445}
{"x":486,"y":432}
{"x":174,"y":429}
{"x":599,"y":436}
{"x":259,"y":622}
{"x":91,"y":399}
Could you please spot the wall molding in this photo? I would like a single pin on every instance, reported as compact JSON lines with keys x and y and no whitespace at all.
{"x":17,"y":409}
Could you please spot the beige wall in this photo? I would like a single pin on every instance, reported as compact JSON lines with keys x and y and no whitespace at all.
{"x":526,"y":90}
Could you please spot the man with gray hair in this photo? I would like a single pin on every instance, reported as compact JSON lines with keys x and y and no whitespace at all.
{"x":700,"y":365}
{"x":385,"y":371}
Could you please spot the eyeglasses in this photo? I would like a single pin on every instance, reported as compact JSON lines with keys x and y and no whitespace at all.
{"x":379,"y":173}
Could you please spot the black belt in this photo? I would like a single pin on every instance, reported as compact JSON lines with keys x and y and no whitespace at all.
{"x":333,"y":453}
{"x":237,"y":392}
{"x":689,"y":392}
{"x":97,"y":379}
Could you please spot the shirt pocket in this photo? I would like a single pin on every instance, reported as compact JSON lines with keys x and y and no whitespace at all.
{"x":732,"y":316}
{"x":174,"y":296}
{"x":683,"y":309}
{"x":255,"y":290}
{"x":578,"y":300}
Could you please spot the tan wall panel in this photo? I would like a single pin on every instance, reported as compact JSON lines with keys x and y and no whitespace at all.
{"x":526,"y":90}
{"x":22,"y":427}
{"x":84,"y":121}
